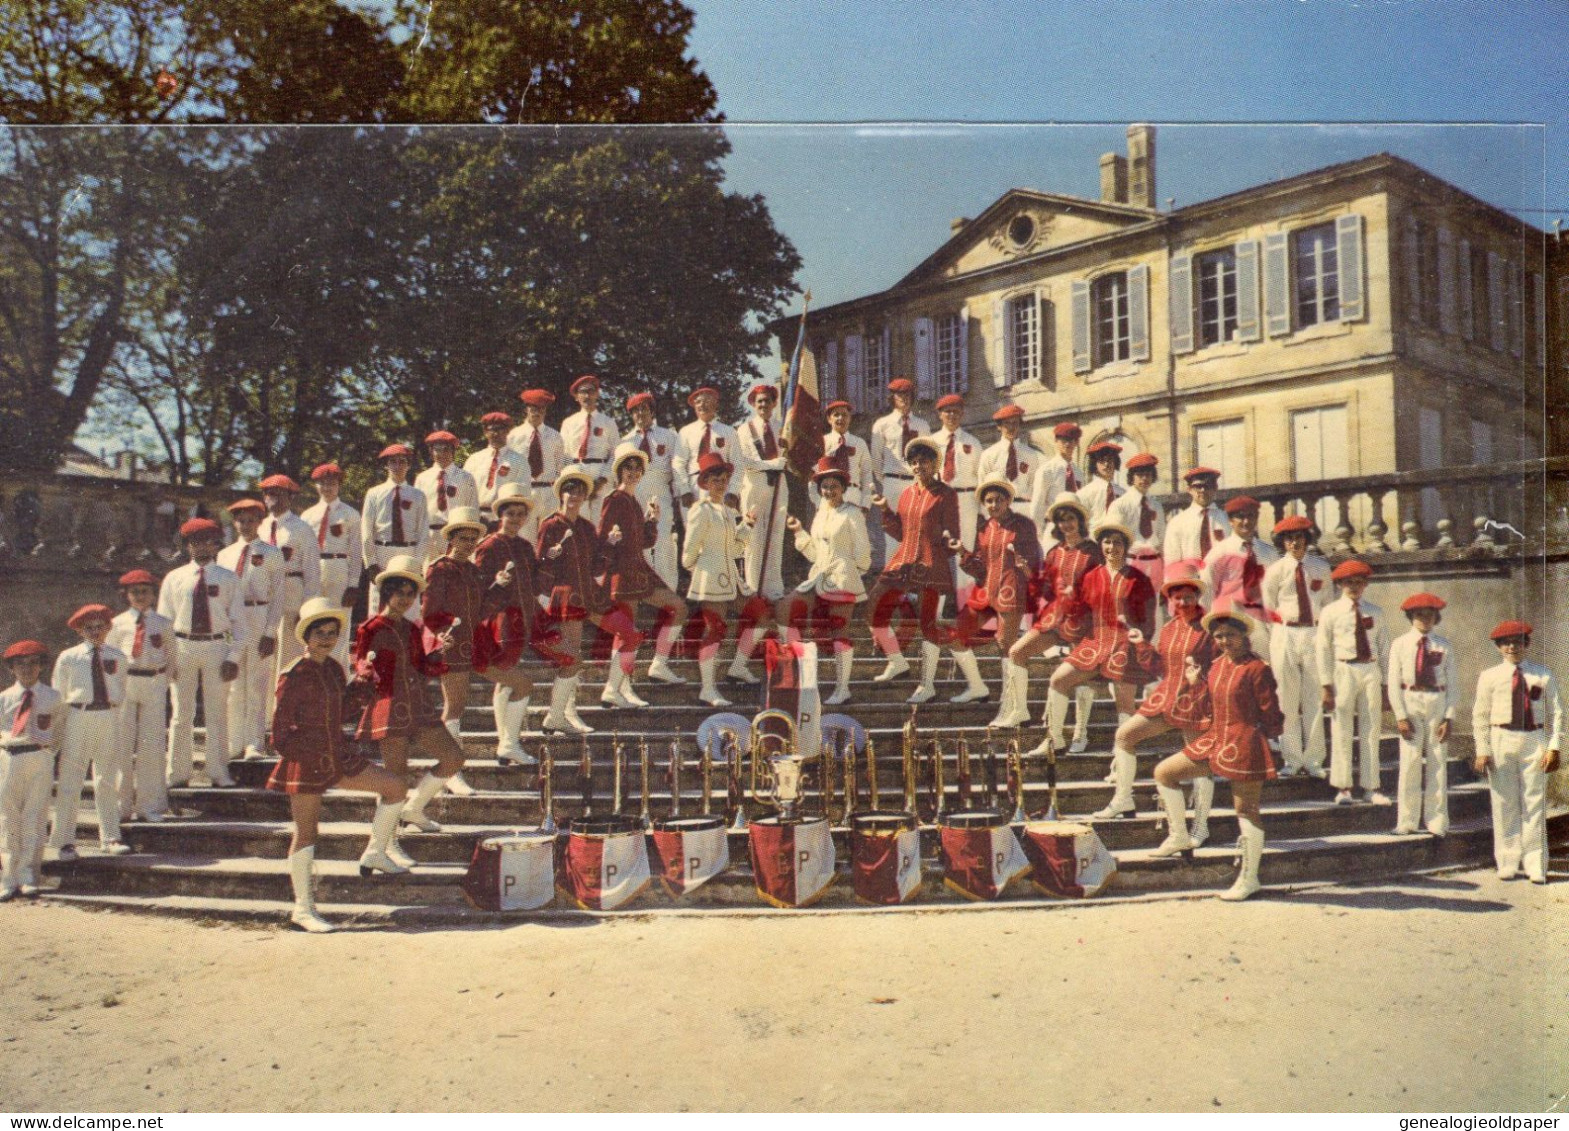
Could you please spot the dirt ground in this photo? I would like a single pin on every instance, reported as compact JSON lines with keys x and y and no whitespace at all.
{"x":1437,"y":995}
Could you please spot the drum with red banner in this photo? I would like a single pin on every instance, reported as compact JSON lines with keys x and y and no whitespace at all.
{"x":512,"y":873}
{"x":792,"y":861}
{"x":603,"y":864}
{"x":1067,"y":859}
{"x":791,"y":687}
{"x":885,"y":857}
{"x":689,"y":851}
{"x":980,"y":854}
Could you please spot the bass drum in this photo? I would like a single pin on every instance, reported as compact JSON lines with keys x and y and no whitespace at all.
{"x":512,"y":873}
{"x":980,"y":855}
{"x":689,"y":851}
{"x":603,"y":862}
{"x":1067,"y":859}
{"x":885,"y":857}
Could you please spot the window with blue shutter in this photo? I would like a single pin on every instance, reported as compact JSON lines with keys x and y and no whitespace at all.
{"x":1277,"y":285}
{"x":1181,"y":304}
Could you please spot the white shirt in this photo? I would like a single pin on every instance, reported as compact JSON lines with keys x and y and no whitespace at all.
{"x":1053,"y":481}
{"x":749,"y":458}
{"x":73,"y":674}
{"x":457,"y":484}
{"x":1128,"y":511}
{"x":177,"y":595}
{"x":157,"y":640}
{"x":297,"y":542}
{"x":376,"y":520}
{"x":1337,"y":636}
{"x":341,"y":538}
{"x":45,"y":708}
{"x":1494,"y":703}
{"x":507,"y":468}
{"x":887,"y":448}
{"x":721,"y":441}
{"x":859,"y":490}
{"x":667,"y":462}
{"x":259,"y":568}
{"x":1402,"y":671}
{"x":1182,"y":532}
{"x":1029,"y":460}
{"x":1097,"y":495}
{"x":966,"y":459}
{"x":603,"y":436}
{"x":1280,"y":588}
{"x":552,"y":453}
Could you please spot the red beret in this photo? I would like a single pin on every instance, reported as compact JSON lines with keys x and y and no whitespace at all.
{"x":1349,"y":569}
{"x":1241,"y":505}
{"x":137,"y":577}
{"x":691,"y":398}
{"x":396,"y":450}
{"x":87,"y":613}
{"x":495,"y":418}
{"x":832,"y":405}
{"x":323,"y":470}
{"x":902,"y":385}
{"x":196,"y":527}
{"x":240,"y":505}
{"x":442,"y":437}
{"x":1294,"y":524}
{"x":1421,"y":601}
{"x":1104,"y":446}
{"x":751,"y":394}
{"x":1200,"y":473}
{"x":640,"y":399}
{"x":1143,"y":459}
{"x":1067,"y":430}
{"x":1008,"y":412}
{"x":1504,"y":631}
{"x":537,"y":398}
{"x":952,"y":400}
{"x":24,"y":648}
{"x":586,"y":379}
{"x":711,"y":462}
{"x":279,"y":483}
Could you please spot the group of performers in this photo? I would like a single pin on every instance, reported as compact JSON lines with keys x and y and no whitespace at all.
{"x":1197,"y":624}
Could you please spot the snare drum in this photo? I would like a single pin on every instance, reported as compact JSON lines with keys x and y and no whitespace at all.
{"x":1067,"y":859}
{"x":603,"y":863}
{"x":885,"y":857}
{"x":689,"y":851}
{"x":980,"y":854}
{"x":512,"y":873}
{"x":792,"y":861}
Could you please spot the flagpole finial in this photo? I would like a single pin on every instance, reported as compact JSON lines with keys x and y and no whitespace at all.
{"x":806,"y":298}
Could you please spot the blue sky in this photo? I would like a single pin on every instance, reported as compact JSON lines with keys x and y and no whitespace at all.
{"x":863,"y":205}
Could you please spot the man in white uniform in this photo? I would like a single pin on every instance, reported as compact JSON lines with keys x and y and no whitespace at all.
{"x":259,"y":567}
{"x":493,"y":466}
{"x":543,"y":455}
{"x":1058,"y":473}
{"x":664,"y":480}
{"x":337,"y":527}
{"x":147,"y":640}
{"x":704,"y":435}
{"x":958,"y":462}
{"x":891,"y":434}
{"x":1194,"y":530}
{"x":296,"y":540}
{"x":1013,"y":458}
{"x":1353,"y":655}
{"x":1423,"y":696}
{"x":1142,"y":516}
{"x":1296,"y":589}
{"x":849,"y":453}
{"x":90,"y":678}
{"x":590,"y":437}
{"x":445,"y":487}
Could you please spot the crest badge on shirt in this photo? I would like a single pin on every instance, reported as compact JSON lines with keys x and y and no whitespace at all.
{"x":257,"y":559}
{"x":1316,"y":584}
{"x":405,"y":503}
{"x":212,"y":591}
{"x":451,"y":491}
{"x":288,"y":552}
{"x":110,"y":666}
{"x":336,"y":530}
{"x":156,"y":640}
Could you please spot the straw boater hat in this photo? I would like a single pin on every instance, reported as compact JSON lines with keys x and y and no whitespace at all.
{"x":511,"y":495}
{"x":624,"y":453}
{"x":316,"y":610}
{"x":1249,"y":625}
{"x":926,"y":444}
{"x":463,"y":518}
{"x":1181,"y":575}
{"x":574,"y":472}
{"x":403,"y":567}
{"x":995,"y":483}
{"x":1071,"y":501}
{"x":1112,"y":526}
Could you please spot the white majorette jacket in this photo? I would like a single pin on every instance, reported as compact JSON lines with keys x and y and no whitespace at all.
{"x":1434,"y":675}
{"x":839,"y":550}
{"x":1289,"y":599}
{"x":153,"y":653}
{"x":377,"y":528}
{"x":1495,"y":704}
{"x":715,"y":538}
{"x":73,"y":674}
{"x":259,"y":567}
{"x":177,"y":596}
{"x":1337,"y":636}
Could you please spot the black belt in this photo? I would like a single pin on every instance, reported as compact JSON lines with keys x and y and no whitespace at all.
{"x":1518,"y":730}
{"x":1016,"y":499}
{"x":1297,"y":624}
{"x":895,"y":475}
{"x":1413,"y":687}
{"x":202,"y":637}
{"x":93,"y":706}
{"x":398,"y":545}
{"x":28,"y":748}
{"x":1145,"y":556}
{"x":254,"y":605}
{"x":541,"y":483}
{"x":301,"y":576}
{"x":606,"y":460}
{"x":145,"y":671}
{"x":332,"y":557}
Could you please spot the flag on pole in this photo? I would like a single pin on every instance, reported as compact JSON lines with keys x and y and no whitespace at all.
{"x":801,"y":404}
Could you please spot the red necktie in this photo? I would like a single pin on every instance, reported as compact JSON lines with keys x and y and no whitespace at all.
{"x":1424,"y":667}
{"x":947,"y":460}
{"x":906,"y":434}
{"x":1071,"y":482}
{"x":536,"y":456}
{"x":770,"y":446}
{"x":588,"y":428}
{"x":245,"y":552}
{"x":490,"y":476}
{"x":1364,"y":646}
{"x":1203,"y":534}
{"x":441,"y":490}
{"x":702,"y":447}
{"x":1304,"y":602}
{"x":140,"y":639}
{"x":841,"y":456}
{"x":1146,"y":518}
{"x":272,"y":535}
{"x":1521,"y":716}
{"x":1252,"y":574}
{"x":23,"y":714}
{"x":100,"y":685}
{"x":1013,"y":462}
{"x":643,"y":446}
{"x":201,"y":608}
{"x":321,"y":531}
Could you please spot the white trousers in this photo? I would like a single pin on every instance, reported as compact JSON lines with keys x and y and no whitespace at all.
{"x":140,"y":764}
{"x":1519,"y":788}
{"x":1296,"y":677}
{"x":1423,"y":792}
{"x":24,"y":803}
{"x":334,"y":583}
{"x":765,"y":574}
{"x":248,"y":695}
{"x":198,"y":662}
{"x":89,"y":737}
{"x":1359,"y":700}
{"x":662,"y":555}
{"x":289,"y":647}
{"x":544,"y":505}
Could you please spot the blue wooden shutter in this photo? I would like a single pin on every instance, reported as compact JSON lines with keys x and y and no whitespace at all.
{"x":1248,"y":327}
{"x":1446,"y":281}
{"x":1348,"y":246}
{"x":1139,"y":313}
{"x":1081,"y":326}
{"x":1277,"y":285}
{"x":1181,"y":304}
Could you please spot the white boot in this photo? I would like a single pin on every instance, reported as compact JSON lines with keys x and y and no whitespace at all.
{"x":709,"y":693}
{"x":456,"y":784}
{"x":897,"y":666}
{"x":661,"y":670}
{"x":664,"y":641}
{"x":928,"y":689}
{"x":1111,"y":775}
{"x":844,"y":661}
{"x":1056,"y":718}
{"x":1124,"y":767}
{"x":1084,"y":704}
{"x":1177,"y":840}
{"x":1203,"y":797}
{"x":628,"y":693}
{"x":419,"y":797}
{"x":614,"y":677}
{"x":738,"y":670}
{"x":971,"y":667}
{"x":376,"y":857}
{"x":571,"y":708}
{"x":555,"y":721}
{"x":302,"y":874}
{"x":1015,"y":709}
{"x":508,"y":748}
{"x":1247,"y":884}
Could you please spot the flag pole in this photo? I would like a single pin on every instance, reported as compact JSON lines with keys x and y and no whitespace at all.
{"x":789,"y":402}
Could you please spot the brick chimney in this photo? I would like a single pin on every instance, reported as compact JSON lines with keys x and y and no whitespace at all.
{"x":957,"y":225}
{"x":1141,"y":167}
{"x":1113,"y":178}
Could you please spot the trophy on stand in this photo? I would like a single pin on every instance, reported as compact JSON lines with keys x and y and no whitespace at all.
{"x":773,"y":744}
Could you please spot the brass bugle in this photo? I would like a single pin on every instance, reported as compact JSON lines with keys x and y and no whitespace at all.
{"x":871,"y":775}
{"x":825,"y":780}
{"x":849,"y":775}
{"x":737,"y":796}
{"x":586,"y":770}
{"x":907,"y":759}
{"x":1016,"y":781}
{"x":993,"y":801}
{"x":708,"y":781}
{"x":616,"y":759}
{"x":675,"y":777}
{"x":642,"y":766}
{"x":547,"y":792}
{"x":962,"y":797}
{"x":1051,"y":779}
{"x":938,"y":787}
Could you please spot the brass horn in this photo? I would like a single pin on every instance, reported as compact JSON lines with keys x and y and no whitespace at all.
{"x":644,"y":816}
{"x":871,"y":774}
{"x":547,"y":792}
{"x":1016,"y":781}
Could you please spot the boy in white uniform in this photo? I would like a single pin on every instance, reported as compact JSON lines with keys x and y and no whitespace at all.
{"x":1515,"y":700}
{"x":543,"y":454}
{"x":1423,"y":694}
{"x":958,"y":462}
{"x":494,"y":465}
{"x":891,"y":434}
{"x":1012,"y":458}
{"x":705,"y":435}
{"x":147,"y":640}
{"x":1353,"y":654}
{"x":1058,"y":474}
{"x":1295,"y":589}
{"x":259,"y":566}
{"x":590,"y":438}
{"x":1146,"y":520}
{"x":337,"y":527}
{"x":29,"y":714}
{"x":445,"y":487}
{"x":665,"y":480}
{"x":393,"y":520}
{"x":849,"y":454}
{"x":90,"y":679}
{"x":296,"y":541}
